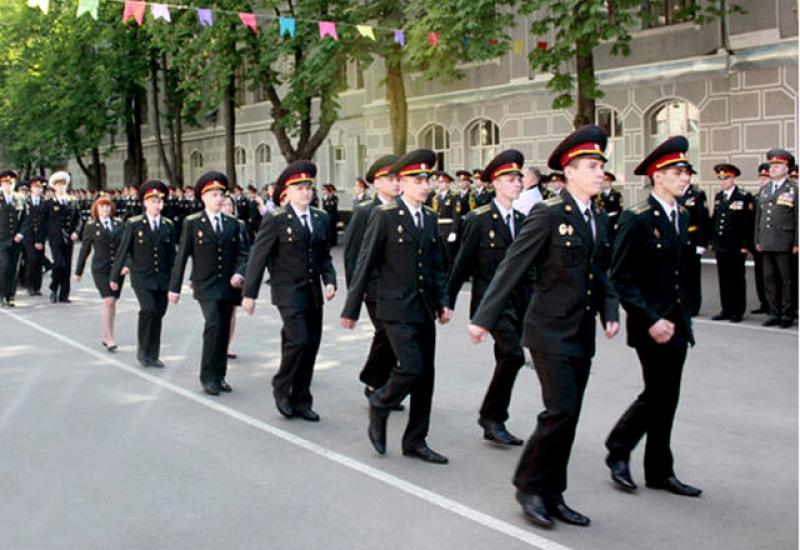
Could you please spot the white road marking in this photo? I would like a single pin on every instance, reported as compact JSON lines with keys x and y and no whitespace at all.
{"x":431,"y":497}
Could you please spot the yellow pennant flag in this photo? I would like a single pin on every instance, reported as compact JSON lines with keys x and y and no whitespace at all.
{"x":41,"y":4}
{"x":366,"y":31}
{"x":517,"y":45}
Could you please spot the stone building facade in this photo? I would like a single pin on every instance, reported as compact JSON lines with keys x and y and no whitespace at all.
{"x":730,"y":86}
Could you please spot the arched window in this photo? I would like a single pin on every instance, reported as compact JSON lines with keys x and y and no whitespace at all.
{"x":610,"y":121}
{"x":196,"y":165}
{"x":436,"y":138}
{"x":240,"y":162}
{"x":263,"y":165}
{"x":672,"y":118}
{"x":483,"y":143}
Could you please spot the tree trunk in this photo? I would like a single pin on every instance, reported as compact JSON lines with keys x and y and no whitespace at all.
{"x":162,"y":154}
{"x":398,"y":107}
{"x":84,"y":168}
{"x":177,"y":146}
{"x":96,"y":181}
{"x":584,"y":64}
{"x":174,"y":103}
{"x":229,"y":121}
{"x":134,"y":164}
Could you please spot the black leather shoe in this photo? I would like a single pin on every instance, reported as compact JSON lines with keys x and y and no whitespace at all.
{"x":559,"y":509}
{"x":369,"y":391}
{"x":759,"y":310}
{"x":535,"y":509}
{"x":497,"y":432}
{"x":224,"y":386}
{"x":720,"y":317}
{"x":284,"y":406}
{"x":65,"y":301}
{"x":426,"y":454}
{"x":772,"y":322}
{"x":736,"y":319}
{"x":156,"y":363}
{"x":786,"y":322}
{"x":53,"y":297}
{"x":621,"y":474}
{"x":377,"y":429}
{"x":306,"y":413}
{"x":144,"y":361}
{"x":212,"y":388}
{"x":673,"y":485}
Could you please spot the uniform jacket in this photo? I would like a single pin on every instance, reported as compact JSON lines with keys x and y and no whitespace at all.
{"x":149,"y":255}
{"x":12,"y":218}
{"x":37,"y":215}
{"x":353,"y":241}
{"x":62,"y":220}
{"x":612,"y":204}
{"x":733,"y":222}
{"x":571,"y":286}
{"x":649,"y":270}
{"x":695,"y":203}
{"x":776,"y":218}
{"x":298,"y":263}
{"x":105,"y":243}
{"x":409,"y":263}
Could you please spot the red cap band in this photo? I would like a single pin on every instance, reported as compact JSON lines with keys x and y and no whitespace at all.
{"x":212,"y":185}
{"x":779,"y":160}
{"x":579,"y":151}
{"x":386,"y":170}
{"x":414,"y":169}
{"x":505,"y":169}
{"x":666,"y":160}
{"x":302,"y":177}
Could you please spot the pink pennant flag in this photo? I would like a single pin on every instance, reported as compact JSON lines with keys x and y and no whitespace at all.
{"x":328,"y":28}
{"x":134,"y":9}
{"x":433,"y":38}
{"x":160,"y":11}
{"x":249,"y":20}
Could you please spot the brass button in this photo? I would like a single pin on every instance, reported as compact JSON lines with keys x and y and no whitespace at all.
{"x":591,"y":276}
{"x":678,"y":300}
{"x":420,"y":277}
{"x":589,"y":292}
{"x":588,"y":308}
{"x":677,"y":287}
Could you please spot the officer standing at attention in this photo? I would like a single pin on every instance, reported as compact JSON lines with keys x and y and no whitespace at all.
{"x":35,"y":239}
{"x":381,"y":359}
{"x":402,"y":245}
{"x":731,"y":239}
{"x":610,"y":200}
{"x":487,"y":232}
{"x":464,"y":191}
{"x":565,"y":240}
{"x":445,"y":203}
{"x":694,"y":201}
{"x":62,"y":220}
{"x":648,"y":269}
{"x":758,"y":257}
{"x":147,"y":251}
{"x":293,"y":243}
{"x":13,"y":228}
{"x":776,"y":237}
{"x":219,"y":256}
{"x":330,"y":204}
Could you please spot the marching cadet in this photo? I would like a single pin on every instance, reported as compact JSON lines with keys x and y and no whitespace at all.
{"x":13,"y":228}
{"x":445,"y":203}
{"x":218,"y":250}
{"x":481,"y":195}
{"x":22,"y":190}
{"x":35,"y":240}
{"x":464,"y":191}
{"x":695,"y":202}
{"x":330,"y":204}
{"x":610,"y":200}
{"x":402,"y":244}
{"x":487,"y":232}
{"x":776,"y":237}
{"x":62,"y":219}
{"x":147,"y":251}
{"x":649,"y":270}
{"x":758,"y":257}
{"x":555,"y":183}
{"x":381,"y":359}
{"x":293,"y":243}
{"x":565,"y":240}
{"x":103,"y":232}
{"x":359,"y":191}
{"x":229,"y":209}
{"x":731,"y":239}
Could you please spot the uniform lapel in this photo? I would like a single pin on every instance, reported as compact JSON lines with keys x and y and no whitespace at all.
{"x":576,"y":217}
{"x":662,"y":219}
{"x":500,"y":226}
{"x":407,"y":220}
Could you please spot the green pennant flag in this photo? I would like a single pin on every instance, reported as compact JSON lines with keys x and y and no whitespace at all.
{"x":88,"y":6}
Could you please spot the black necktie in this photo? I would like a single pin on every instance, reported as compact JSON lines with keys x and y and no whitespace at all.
{"x":418,"y":216}
{"x":587,"y":214}
{"x":218,"y":224}
{"x":304,"y":217}
{"x":510,"y":225}
{"x":155,"y":226}
{"x":672,"y":219}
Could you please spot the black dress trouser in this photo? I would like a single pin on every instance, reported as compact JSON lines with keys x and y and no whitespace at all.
{"x":300,"y":337}
{"x":381,"y":359}
{"x":152,"y":308}
{"x":62,"y":263}
{"x":509,"y":358}
{"x":216,"y":335}
{"x":732,"y":285}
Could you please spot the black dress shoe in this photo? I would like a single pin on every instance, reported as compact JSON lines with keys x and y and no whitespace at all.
{"x":156,"y":363}
{"x":772,"y":322}
{"x":53,"y":297}
{"x":720,"y":317}
{"x":786,"y":322}
{"x":559,"y":509}
{"x":534,"y":507}
{"x":377,"y":428}
{"x":673,"y":485}
{"x":736,"y":319}
{"x":212,"y":388}
{"x":426,"y":454}
{"x":144,"y":361}
{"x":65,"y":301}
{"x":232,"y":356}
{"x":369,"y":391}
{"x":621,"y":474}
{"x":224,"y":386}
{"x":284,"y":406}
{"x":307,"y":413}
{"x":497,"y":432}
{"x":759,"y":310}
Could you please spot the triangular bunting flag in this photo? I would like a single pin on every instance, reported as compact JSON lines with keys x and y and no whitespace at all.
{"x":433,"y":38}
{"x":41,"y":4}
{"x":249,"y":20}
{"x":88,"y":6}
{"x":328,"y":28}
{"x":400,"y":38}
{"x":205,"y":17}
{"x":160,"y":11}
{"x":133,"y":10}
{"x":366,"y":31}
{"x":287,"y":26}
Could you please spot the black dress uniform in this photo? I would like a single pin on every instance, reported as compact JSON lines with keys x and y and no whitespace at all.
{"x":611,"y":202}
{"x":381,"y":359}
{"x":330,"y":204}
{"x":218,"y":251}
{"x":776,"y":234}
{"x":486,"y":234}
{"x":12,"y":223}
{"x":758,"y":257}
{"x":695,"y":202}
{"x":481,"y":196}
{"x":34,"y":259}
{"x":62,"y":219}
{"x":448,"y":211}
{"x":105,"y":237}
{"x":406,"y":253}
{"x":298,"y":260}
{"x":649,"y":270}
{"x":571,"y":288}
{"x":464,"y":196}
{"x":731,"y":233}
{"x":149,"y":254}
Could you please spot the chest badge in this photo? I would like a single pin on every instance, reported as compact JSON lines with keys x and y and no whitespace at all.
{"x":656,"y":233}
{"x":562,"y":229}
{"x":570,"y":230}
